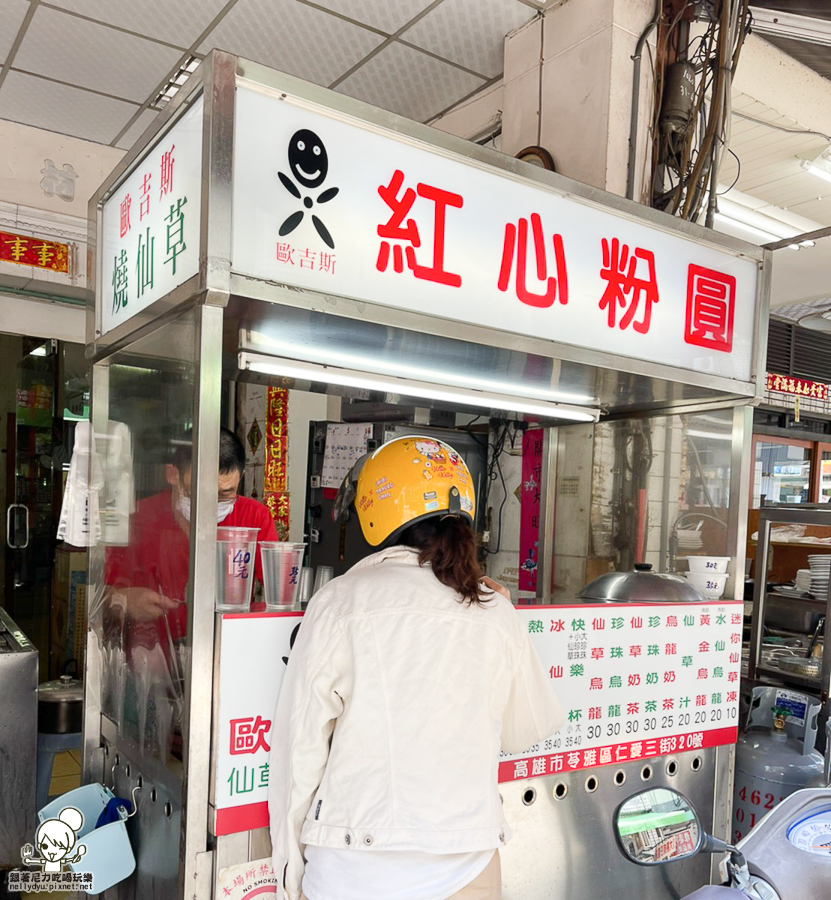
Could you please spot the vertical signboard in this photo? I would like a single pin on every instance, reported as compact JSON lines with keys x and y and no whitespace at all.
{"x":151,"y":224}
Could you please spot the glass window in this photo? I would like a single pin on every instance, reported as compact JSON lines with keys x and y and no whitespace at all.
{"x":824,"y":493}
{"x":782,"y":471}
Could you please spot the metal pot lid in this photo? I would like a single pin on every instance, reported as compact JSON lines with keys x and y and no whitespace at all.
{"x":642,"y":586}
{"x":63,"y":690}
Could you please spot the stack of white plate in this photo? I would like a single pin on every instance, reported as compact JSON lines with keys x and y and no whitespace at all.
{"x":803,"y":581}
{"x":820,"y":564}
{"x":689,"y":540}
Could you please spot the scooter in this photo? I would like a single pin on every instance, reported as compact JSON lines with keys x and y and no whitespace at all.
{"x":787,"y":856}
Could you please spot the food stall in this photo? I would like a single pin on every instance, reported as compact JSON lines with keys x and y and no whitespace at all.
{"x":265,"y":230}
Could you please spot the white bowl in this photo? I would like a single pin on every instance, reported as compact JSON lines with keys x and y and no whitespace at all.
{"x":708,"y":565}
{"x":712,"y":586}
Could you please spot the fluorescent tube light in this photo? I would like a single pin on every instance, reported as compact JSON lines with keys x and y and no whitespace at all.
{"x":815,"y":169}
{"x":39,"y":351}
{"x":271,"y":365}
{"x":743,"y":226}
{"x":390,"y":367}
{"x":759,"y":233}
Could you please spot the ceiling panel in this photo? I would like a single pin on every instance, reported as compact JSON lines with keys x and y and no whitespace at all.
{"x":293,"y":38}
{"x":180,"y":24}
{"x":94,"y":56}
{"x":12,"y":13}
{"x":409,"y":82}
{"x":383,"y":14}
{"x":58,"y":107}
{"x":470,"y":32}
{"x":135,"y":131}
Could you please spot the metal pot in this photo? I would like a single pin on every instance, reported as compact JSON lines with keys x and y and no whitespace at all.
{"x":61,"y":706}
{"x":640,"y":586}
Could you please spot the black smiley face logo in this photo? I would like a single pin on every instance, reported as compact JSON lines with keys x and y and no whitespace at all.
{"x":307,"y":158}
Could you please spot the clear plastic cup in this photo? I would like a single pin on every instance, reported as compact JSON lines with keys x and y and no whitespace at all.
{"x":282,"y":562}
{"x":323,"y":575}
{"x":235,"y":553}
{"x":304,"y":593}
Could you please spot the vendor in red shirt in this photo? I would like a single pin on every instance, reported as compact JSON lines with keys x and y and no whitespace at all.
{"x":152,"y":573}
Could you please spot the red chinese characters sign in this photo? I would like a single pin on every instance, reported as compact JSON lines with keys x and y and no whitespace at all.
{"x":799,"y":387}
{"x":433,"y":232}
{"x":275,"y":495}
{"x":30,"y":251}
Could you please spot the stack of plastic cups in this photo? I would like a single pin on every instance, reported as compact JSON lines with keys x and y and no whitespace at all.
{"x":282,"y":563}
{"x":235,"y":553}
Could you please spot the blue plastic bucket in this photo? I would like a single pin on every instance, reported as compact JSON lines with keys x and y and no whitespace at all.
{"x":109,"y":854}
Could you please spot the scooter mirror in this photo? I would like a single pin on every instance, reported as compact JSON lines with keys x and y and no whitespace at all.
{"x":658,"y":826}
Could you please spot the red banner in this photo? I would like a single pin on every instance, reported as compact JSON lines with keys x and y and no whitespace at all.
{"x":30,"y":251}
{"x":575,"y":759}
{"x":784,"y":384}
{"x":275,"y":495}
{"x":529,"y":515}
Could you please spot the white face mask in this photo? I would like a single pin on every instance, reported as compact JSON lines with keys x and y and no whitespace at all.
{"x":223,"y":508}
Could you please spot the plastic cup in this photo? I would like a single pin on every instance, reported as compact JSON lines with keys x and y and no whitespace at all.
{"x":323,"y":575}
{"x":282,"y":562}
{"x":235,"y":551}
{"x":304,"y":593}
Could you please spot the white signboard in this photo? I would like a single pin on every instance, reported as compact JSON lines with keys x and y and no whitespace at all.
{"x":151,"y":224}
{"x":636,"y":681}
{"x":252,"y":661}
{"x":341,"y":207}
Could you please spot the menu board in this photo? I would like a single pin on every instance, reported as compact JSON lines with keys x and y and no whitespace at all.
{"x":635,"y":681}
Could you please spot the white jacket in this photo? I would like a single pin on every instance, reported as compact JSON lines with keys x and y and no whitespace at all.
{"x":394,"y":706}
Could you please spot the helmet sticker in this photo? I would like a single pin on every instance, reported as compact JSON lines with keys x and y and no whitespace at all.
{"x":430,"y":449}
{"x":430,"y":495}
{"x":431,"y":505}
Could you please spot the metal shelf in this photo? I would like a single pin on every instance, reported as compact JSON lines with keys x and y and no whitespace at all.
{"x":813,"y":514}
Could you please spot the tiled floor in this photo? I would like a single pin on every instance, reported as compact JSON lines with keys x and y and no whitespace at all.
{"x":66,"y":772}
{"x":66,"y":775}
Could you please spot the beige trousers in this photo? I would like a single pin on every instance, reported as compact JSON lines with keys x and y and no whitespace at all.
{"x":486,"y":886}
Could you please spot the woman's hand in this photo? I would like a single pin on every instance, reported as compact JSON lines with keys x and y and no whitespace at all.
{"x":496,"y":587}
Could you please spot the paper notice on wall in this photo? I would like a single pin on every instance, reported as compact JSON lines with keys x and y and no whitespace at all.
{"x":345,"y":445}
{"x":247,"y":880}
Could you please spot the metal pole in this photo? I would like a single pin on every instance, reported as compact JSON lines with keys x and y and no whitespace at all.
{"x":548,"y":507}
{"x":741,"y":468}
{"x":195,"y":871}
{"x":757,"y":628}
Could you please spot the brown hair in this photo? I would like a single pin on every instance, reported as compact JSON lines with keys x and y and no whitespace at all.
{"x":448,"y":544}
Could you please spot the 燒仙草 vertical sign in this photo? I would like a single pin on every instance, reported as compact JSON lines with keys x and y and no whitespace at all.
{"x":151,"y":224}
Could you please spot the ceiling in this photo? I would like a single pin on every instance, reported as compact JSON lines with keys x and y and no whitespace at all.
{"x":767,"y":146}
{"x":93,"y":68}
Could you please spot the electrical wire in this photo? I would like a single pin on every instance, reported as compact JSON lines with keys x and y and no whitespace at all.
{"x":747,"y":118}
{"x":738,"y":173}
{"x":687,"y":160}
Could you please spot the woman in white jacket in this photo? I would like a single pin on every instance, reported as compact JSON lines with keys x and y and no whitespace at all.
{"x":408,"y":675}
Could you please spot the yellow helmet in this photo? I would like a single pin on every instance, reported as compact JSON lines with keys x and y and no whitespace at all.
{"x":404,"y":481}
